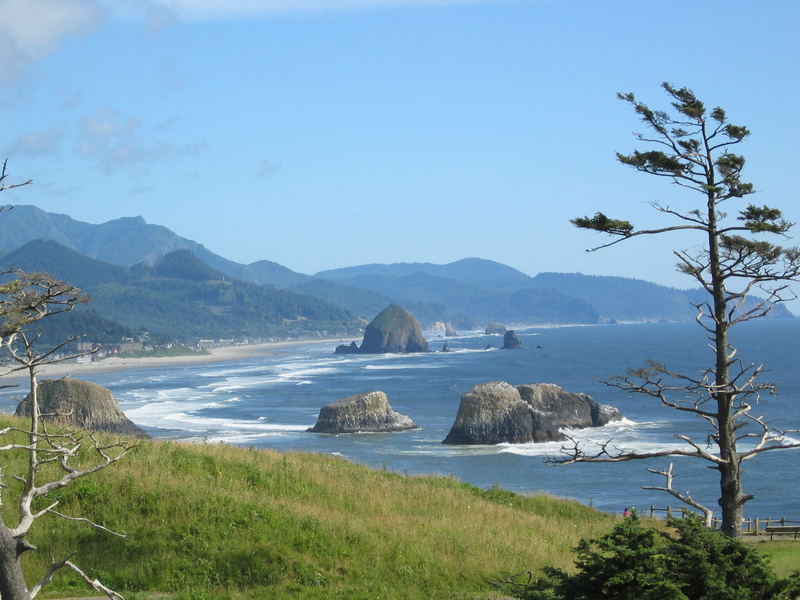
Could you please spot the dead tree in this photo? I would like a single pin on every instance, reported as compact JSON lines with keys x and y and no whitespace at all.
{"x":692,"y":149}
{"x":52,"y":456}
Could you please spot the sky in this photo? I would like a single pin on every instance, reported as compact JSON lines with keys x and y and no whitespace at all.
{"x":327,"y":133}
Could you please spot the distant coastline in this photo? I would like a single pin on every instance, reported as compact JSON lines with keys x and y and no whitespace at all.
{"x":215,"y":355}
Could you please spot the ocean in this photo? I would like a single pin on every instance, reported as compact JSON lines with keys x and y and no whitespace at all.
{"x":270,"y":401}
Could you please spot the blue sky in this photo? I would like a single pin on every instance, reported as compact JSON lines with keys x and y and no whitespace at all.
{"x":321,"y":134}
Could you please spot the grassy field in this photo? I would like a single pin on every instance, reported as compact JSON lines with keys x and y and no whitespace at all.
{"x":784,"y":555}
{"x":216,"y":521}
{"x":213,"y":521}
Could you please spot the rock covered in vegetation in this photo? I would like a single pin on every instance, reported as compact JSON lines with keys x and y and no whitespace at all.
{"x":78,"y":403}
{"x":497,"y":412}
{"x":495,"y":329}
{"x":511,"y":340}
{"x":393,"y":330}
{"x":450,"y":330}
{"x":367,"y":412}
{"x":346,"y":349}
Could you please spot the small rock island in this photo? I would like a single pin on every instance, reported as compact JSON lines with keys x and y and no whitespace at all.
{"x":495,"y":329}
{"x":77,"y":403}
{"x":393,"y":330}
{"x":367,"y":412}
{"x":511,"y":340}
{"x":498,"y":412}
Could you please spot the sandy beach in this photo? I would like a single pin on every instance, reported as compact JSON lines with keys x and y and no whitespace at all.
{"x":221,"y":354}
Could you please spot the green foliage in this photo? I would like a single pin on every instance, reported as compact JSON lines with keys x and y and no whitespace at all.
{"x":764,"y":219}
{"x":634,"y":562}
{"x":600,"y":222}
{"x":183,"y":264}
{"x":182,"y":298}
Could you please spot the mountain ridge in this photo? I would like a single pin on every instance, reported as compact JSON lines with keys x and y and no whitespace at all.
{"x":468,"y":292}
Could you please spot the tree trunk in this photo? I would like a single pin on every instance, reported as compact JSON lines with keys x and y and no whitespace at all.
{"x":730,"y":482}
{"x":12,"y":581}
{"x":731,"y":499}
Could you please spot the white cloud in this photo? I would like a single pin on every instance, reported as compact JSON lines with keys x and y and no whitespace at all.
{"x":112,"y":139}
{"x":234,"y":8}
{"x":30,"y":29}
{"x":35,"y":143}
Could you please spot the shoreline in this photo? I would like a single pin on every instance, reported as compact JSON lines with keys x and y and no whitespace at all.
{"x":215,"y":355}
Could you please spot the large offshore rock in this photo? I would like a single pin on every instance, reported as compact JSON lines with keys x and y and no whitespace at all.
{"x":77,"y":403}
{"x":495,"y":329}
{"x":511,"y":340}
{"x":367,"y":412}
{"x":553,"y":408}
{"x":497,"y":412}
{"x":491,"y":413}
{"x":393,"y":330}
{"x":450,"y":330}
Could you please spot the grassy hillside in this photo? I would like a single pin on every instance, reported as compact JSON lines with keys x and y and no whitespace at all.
{"x":212,"y":521}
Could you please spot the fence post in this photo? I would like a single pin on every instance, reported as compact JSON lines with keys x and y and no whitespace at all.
{"x":758,"y":529}
{"x":652,"y":511}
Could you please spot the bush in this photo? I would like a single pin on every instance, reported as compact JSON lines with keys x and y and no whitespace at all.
{"x":634,"y":562}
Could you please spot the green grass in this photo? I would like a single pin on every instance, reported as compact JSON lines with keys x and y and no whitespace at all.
{"x":784,"y":555}
{"x":214,"y":521}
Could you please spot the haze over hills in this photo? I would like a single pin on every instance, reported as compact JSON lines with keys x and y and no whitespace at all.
{"x":145,"y":276}
{"x":126,"y":242}
{"x":180,"y":297}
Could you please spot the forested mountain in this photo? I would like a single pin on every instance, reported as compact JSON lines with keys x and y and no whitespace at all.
{"x":181,"y":297}
{"x":478,"y":271}
{"x":146,"y":276}
{"x":127,"y":241}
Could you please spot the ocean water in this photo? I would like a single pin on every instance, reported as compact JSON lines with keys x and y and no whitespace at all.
{"x":270,"y":401}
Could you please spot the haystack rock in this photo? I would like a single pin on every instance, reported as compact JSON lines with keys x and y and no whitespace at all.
{"x":367,"y":412}
{"x":78,"y":403}
{"x":393,"y":330}
{"x":495,"y":329}
{"x":511,"y":340}
{"x":450,"y":330}
{"x":497,"y":412}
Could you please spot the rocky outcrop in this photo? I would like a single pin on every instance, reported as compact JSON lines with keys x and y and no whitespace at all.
{"x":446,"y":347}
{"x":511,"y":340}
{"x":497,"y":412}
{"x":495,"y":329}
{"x":78,"y":403}
{"x":450,"y":330}
{"x":368,"y":412}
{"x":553,"y":408}
{"x":393,"y":330}
{"x":345,"y":349}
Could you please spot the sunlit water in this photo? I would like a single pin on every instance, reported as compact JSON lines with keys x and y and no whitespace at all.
{"x":270,"y":402}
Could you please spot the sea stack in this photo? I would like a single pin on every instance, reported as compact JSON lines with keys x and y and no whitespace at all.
{"x":511,"y":340}
{"x":495,"y":329}
{"x":393,"y":330}
{"x":352,"y":348}
{"x":367,"y":412}
{"x":77,"y":403}
{"x":497,"y":412}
